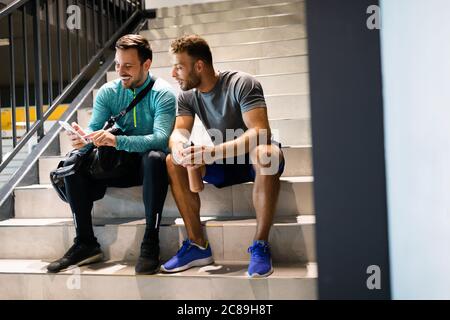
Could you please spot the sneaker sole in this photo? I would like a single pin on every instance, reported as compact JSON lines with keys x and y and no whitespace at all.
{"x":257,"y":275}
{"x":196,"y":263}
{"x":93,"y":259}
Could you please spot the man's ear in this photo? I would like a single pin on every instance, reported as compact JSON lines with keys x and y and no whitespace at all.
{"x":147,"y":64}
{"x":199,"y":66}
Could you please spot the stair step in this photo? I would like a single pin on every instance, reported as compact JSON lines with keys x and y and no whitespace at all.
{"x":296,"y":197}
{"x":291,"y":238}
{"x":22,"y":154}
{"x":229,"y":15}
{"x":28,"y":279}
{"x":9,"y":170}
{"x":291,"y":83}
{"x":217,"y":27}
{"x":288,"y":106}
{"x":244,"y":51}
{"x":64,"y":143}
{"x":272,"y":84}
{"x":285,"y":32}
{"x":199,"y":8}
{"x":291,"y":131}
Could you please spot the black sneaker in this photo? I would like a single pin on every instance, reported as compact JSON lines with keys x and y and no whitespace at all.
{"x":148,"y":261}
{"x":79,"y":254}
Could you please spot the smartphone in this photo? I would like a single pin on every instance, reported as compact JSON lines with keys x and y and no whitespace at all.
{"x":68,"y":127}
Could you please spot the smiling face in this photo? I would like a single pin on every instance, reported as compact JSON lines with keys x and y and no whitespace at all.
{"x":186,"y":71}
{"x":132,"y":72}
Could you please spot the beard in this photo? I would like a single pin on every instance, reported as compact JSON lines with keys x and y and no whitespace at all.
{"x":131,"y":84}
{"x":193,"y":81}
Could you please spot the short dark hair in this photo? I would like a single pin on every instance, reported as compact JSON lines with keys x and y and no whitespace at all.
{"x":138,"y":42}
{"x":194,"y":45}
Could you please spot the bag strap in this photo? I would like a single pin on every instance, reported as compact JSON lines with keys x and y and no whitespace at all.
{"x":113,"y":119}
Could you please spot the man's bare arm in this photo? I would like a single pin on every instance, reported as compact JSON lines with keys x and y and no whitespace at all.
{"x":258,"y":133}
{"x":180,"y":135}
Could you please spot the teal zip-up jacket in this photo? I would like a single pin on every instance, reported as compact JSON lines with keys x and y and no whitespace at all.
{"x":148,"y":126}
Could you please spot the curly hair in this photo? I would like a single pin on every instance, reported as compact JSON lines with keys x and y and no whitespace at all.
{"x":194,"y":45}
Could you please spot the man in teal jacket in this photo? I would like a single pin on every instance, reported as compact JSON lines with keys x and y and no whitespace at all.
{"x":147,"y":129}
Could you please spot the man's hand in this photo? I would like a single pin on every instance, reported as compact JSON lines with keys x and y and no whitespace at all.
{"x":177,"y":149}
{"x":76,"y":142}
{"x":197,"y":156}
{"x":102,"y":138}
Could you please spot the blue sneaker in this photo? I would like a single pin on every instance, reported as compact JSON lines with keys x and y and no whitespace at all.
{"x":189,"y":255}
{"x":260,"y":260}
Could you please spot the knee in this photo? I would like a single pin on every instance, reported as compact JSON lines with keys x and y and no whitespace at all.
{"x":265,"y":156}
{"x":77,"y":172}
{"x":171,"y":164}
{"x":153,"y":159}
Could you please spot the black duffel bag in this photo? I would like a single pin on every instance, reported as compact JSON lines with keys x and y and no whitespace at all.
{"x":109,"y":163}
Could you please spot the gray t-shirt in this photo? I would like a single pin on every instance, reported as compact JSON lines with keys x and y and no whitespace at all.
{"x":221,"y":108}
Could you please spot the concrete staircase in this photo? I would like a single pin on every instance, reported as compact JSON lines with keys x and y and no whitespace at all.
{"x":260,"y":37}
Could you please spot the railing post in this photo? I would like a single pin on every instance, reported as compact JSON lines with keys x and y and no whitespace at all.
{"x":122,"y":13}
{"x":69,"y":44}
{"x":101,"y":31}
{"x":49,"y":54}
{"x":38,"y":68}
{"x":86,"y":34}
{"x":26,"y":92}
{"x":107,"y":19}
{"x":78,"y":44}
{"x":115,"y":15}
{"x":59,"y":49}
{"x":94,"y":27}
{"x":12,"y":78}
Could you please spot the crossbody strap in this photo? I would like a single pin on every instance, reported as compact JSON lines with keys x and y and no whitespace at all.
{"x":113,"y":119}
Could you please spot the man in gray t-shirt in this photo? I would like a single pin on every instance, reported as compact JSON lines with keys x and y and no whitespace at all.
{"x":221,"y":108}
{"x":232,"y":108}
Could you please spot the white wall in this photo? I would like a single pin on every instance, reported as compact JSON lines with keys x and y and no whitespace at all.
{"x":416,"y":78}
{"x":152,"y":4}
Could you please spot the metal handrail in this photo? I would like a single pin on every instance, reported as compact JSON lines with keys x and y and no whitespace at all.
{"x":13,"y":6}
{"x":39,"y":123}
{"x":134,"y":14}
{"x":38,"y":126}
{"x":31,"y":159}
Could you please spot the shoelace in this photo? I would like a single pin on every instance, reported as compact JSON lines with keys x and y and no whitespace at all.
{"x":185,"y":247}
{"x":258,"y":250}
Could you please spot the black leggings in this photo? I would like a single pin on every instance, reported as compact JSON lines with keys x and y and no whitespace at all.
{"x":82,"y":190}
